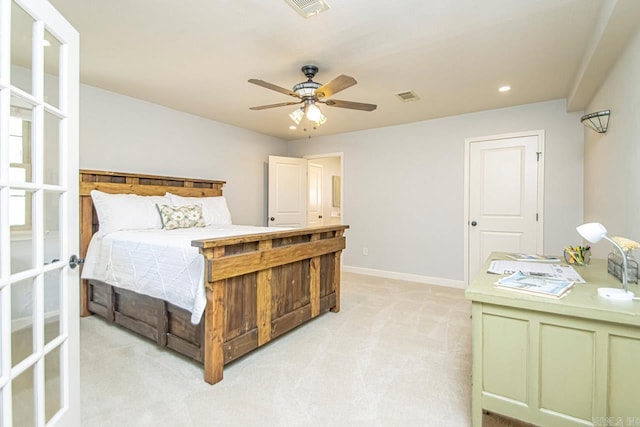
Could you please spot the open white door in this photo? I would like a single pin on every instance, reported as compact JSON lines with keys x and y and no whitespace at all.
{"x":287,"y":192}
{"x":315,"y":209}
{"x":39,"y":316}
{"x":504,"y":187}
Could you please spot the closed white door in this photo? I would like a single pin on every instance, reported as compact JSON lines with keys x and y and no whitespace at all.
{"x":315,"y":194}
{"x":39,"y":314}
{"x":504,"y":180}
{"x":287,"y":192}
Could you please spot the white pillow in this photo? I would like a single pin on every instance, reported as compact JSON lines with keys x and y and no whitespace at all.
{"x":127,"y":211}
{"x":214,"y":209}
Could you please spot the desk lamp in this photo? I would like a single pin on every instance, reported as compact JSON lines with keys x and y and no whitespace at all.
{"x":594,"y":232}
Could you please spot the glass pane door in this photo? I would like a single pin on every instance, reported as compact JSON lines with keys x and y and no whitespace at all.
{"x":39,"y":372}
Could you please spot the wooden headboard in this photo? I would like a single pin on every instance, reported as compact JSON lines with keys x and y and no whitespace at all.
{"x":130,"y":183}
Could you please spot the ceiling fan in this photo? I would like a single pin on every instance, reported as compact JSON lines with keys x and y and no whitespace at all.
{"x":310,"y":93}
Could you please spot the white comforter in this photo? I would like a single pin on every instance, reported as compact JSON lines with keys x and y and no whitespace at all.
{"x":158,"y":263}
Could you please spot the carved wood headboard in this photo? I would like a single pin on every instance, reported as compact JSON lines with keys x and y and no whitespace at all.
{"x":130,"y":183}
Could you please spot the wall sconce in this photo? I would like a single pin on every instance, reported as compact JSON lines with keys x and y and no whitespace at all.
{"x":598,"y":121}
{"x":594,"y":232}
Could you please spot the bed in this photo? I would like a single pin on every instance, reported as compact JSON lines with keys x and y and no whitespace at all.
{"x":257,"y":285}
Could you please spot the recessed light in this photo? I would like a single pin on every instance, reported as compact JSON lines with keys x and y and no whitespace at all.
{"x":292,"y":127}
{"x":505,"y":88}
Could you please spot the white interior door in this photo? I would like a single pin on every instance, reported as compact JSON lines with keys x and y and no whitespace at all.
{"x":315,"y":208}
{"x":287,"y":192}
{"x":39,"y":316}
{"x":504,"y":196}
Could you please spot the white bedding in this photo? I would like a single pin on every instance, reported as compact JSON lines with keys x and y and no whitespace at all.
{"x":158,"y":263}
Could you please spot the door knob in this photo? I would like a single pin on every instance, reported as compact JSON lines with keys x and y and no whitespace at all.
{"x":473,"y":223}
{"x":272,"y":219}
{"x":75,"y":261}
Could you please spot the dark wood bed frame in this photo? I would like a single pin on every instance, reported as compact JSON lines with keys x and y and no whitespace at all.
{"x":258,"y":286}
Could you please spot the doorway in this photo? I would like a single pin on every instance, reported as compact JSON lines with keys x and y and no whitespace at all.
{"x":305,"y":191}
{"x":504,"y":181}
{"x":325,"y":189}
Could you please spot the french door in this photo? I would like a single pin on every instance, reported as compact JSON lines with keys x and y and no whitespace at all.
{"x":39,"y":351}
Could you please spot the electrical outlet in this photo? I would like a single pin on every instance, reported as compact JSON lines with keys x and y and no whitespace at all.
{"x":365,"y":251}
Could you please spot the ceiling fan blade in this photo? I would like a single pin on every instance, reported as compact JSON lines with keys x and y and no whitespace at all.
{"x":282,"y":104}
{"x":341,"y":82}
{"x":350,"y":104}
{"x":273,"y":87}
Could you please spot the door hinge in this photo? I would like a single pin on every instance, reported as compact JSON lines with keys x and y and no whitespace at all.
{"x":538,"y":153}
{"x":536,"y":217}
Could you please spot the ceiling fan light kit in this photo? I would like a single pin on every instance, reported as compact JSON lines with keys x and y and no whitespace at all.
{"x":311,"y":93}
{"x":314,"y":114}
{"x":297,"y":115}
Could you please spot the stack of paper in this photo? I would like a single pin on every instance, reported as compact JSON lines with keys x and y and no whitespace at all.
{"x":533,"y":257}
{"x":536,"y":285}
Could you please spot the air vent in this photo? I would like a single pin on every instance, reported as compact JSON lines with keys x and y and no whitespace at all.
{"x":308,"y":8}
{"x":408,"y":96}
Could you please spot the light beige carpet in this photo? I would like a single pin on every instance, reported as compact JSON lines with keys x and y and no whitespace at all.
{"x":398,"y":354}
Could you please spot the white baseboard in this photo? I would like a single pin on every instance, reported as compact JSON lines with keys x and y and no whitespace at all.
{"x":438,"y":281}
{"x":24,"y":322}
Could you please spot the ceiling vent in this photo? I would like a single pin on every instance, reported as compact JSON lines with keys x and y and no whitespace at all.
{"x":408,"y":96}
{"x":308,"y":8}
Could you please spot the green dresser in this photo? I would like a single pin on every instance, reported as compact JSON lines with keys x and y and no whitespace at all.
{"x":573,"y":361}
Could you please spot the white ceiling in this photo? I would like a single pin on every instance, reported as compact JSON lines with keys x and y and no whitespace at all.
{"x":196,"y":56}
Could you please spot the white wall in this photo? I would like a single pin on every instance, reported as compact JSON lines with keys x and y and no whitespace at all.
{"x":612,"y":160}
{"x":119,"y":133}
{"x":403,"y":187}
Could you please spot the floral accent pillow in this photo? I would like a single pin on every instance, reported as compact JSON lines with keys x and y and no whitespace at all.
{"x":181,"y":216}
{"x":214,"y":209}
